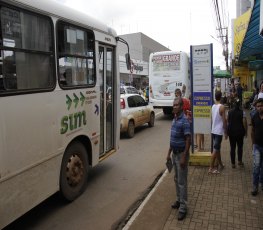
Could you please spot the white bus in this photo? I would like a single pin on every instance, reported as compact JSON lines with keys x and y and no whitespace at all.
{"x":56,"y":121}
{"x":168,"y":70}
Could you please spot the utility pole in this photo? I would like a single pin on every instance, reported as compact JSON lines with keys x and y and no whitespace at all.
{"x":225,"y":45}
{"x":227,"y":53}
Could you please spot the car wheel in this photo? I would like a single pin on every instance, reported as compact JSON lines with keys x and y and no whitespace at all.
{"x":152,"y":118}
{"x":74,"y":171}
{"x":131,"y":128}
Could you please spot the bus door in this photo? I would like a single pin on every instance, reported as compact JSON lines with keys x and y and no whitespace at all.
{"x":106,"y":98}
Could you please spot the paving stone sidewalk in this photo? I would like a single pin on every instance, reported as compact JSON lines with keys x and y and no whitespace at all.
{"x":222,"y":201}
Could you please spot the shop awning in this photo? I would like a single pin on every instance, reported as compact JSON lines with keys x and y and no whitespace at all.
{"x":252,"y":46}
{"x":221,"y":74}
{"x":255,"y":65}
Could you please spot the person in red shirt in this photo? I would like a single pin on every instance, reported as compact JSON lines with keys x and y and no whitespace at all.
{"x":186,"y":101}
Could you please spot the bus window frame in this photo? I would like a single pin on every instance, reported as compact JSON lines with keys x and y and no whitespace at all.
{"x":51,"y":54}
{"x":88,"y":31}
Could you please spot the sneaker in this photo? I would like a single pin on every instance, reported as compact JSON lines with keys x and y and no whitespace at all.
{"x":176,"y":205}
{"x":210,"y":170}
{"x":254,"y":192}
{"x":181,"y":215}
{"x":233,"y":166}
{"x":240,"y":163}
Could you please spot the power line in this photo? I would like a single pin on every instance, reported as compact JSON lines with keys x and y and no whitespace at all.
{"x":222,"y":26}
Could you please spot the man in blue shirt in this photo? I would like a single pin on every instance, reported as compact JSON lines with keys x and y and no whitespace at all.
{"x":180,"y":141}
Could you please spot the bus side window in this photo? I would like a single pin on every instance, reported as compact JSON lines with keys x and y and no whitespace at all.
{"x":26,"y":51}
{"x":68,"y":76}
{"x":76,"y":56}
{"x":1,"y":73}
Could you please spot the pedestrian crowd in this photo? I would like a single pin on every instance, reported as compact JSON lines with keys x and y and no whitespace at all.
{"x":232,"y":125}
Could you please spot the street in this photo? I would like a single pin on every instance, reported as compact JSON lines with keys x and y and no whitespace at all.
{"x":114,"y":185}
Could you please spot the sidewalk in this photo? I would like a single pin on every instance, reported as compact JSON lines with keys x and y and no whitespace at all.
{"x":221,"y":201}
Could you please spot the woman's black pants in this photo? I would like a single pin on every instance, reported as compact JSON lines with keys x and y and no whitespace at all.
{"x":236,"y":141}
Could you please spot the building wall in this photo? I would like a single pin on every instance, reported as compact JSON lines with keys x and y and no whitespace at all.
{"x":140,"y":48}
{"x":242,"y":6}
{"x":135,"y":45}
{"x":149,"y":46}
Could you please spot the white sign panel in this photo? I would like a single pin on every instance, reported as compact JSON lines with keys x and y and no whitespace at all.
{"x":202,"y":65}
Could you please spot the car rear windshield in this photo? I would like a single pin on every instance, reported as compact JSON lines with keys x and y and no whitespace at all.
{"x":128,"y":90}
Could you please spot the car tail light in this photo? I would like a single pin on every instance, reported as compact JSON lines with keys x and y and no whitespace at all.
{"x":122,"y":103}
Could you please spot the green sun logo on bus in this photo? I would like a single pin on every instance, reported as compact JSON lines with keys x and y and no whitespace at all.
{"x":73,"y":120}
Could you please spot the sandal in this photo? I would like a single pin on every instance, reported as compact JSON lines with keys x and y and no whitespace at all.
{"x":222,"y":167}
{"x":215,"y":171}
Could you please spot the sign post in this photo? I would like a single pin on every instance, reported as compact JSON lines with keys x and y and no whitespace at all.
{"x":202,"y":85}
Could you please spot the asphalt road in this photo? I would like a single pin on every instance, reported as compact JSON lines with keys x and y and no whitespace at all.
{"x":114,"y":187}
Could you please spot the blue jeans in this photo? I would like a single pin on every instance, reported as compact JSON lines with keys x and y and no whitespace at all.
{"x":257,"y":165}
{"x":180,"y":179}
{"x":217,"y":140}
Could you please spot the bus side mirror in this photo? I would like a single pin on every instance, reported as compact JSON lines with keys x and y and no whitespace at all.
{"x":128,"y":61}
{"x":127,"y":55}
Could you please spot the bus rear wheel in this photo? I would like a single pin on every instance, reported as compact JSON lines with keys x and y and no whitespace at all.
{"x":74,"y":171}
{"x":167,"y":110}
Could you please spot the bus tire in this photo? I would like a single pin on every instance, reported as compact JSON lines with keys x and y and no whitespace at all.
{"x":165,"y":111}
{"x":131,"y":129}
{"x":74,"y":171}
{"x":152,"y":118}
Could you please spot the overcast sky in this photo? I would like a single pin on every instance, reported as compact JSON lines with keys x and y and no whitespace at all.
{"x":176,"y":24}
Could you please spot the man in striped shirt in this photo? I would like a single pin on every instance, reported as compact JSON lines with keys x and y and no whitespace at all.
{"x":180,"y":141}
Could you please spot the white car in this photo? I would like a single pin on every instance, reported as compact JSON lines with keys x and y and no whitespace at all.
{"x":124,"y":90}
{"x":135,"y":111}
{"x":128,"y":90}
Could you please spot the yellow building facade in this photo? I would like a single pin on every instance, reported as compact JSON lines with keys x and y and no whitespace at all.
{"x":240,"y":69}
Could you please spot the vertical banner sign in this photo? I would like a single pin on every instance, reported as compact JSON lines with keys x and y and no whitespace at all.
{"x":202,"y":69}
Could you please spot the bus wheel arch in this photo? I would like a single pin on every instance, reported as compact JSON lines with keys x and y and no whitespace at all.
{"x":74,"y":171}
{"x":87,"y":143}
